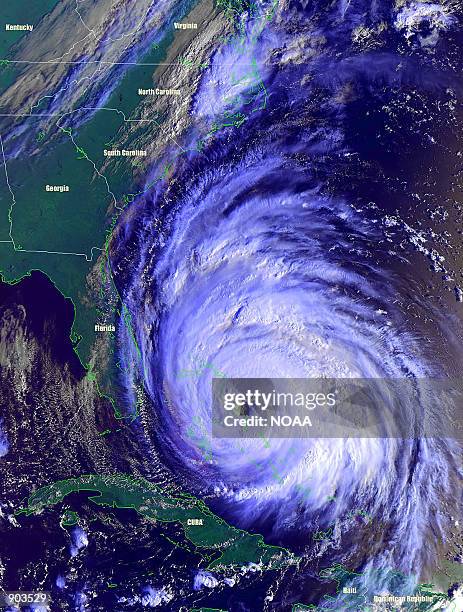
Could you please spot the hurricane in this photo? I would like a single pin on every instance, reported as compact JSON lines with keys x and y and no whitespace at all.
{"x":253,"y":263}
{"x":257,"y":275}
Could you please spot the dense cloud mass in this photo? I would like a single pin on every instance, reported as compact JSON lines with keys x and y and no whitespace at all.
{"x":260,"y":262}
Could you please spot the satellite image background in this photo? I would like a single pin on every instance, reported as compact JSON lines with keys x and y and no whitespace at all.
{"x":200,"y":190}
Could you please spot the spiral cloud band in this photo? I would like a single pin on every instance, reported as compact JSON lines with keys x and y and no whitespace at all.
{"x":251,"y":265}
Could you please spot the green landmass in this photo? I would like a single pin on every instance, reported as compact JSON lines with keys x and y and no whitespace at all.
{"x":450,"y":572}
{"x":207,"y":610}
{"x":64,"y":234}
{"x":362,"y":599}
{"x":69,"y":518}
{"x":223,"y":545}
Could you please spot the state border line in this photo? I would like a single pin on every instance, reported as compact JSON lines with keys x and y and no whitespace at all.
{"x":94,"y":108}
{"x":87,"y":258}
{"x":10,"y":210}
{"x":102,"y":62}
{"x":59,"y":116}
{"x":13,"y":203}
{"x":69,"y":132}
